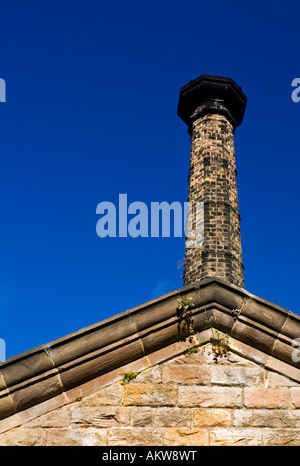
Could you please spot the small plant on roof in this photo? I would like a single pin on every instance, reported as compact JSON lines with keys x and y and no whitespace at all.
{"x":184,"y":304}
{"x":185,"y":319}
{"x":220,"y":345}
{"x":191,"y":350}
{"x":128,"y":376}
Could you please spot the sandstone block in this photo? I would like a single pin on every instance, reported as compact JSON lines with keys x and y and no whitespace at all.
{"x":173,"y":417}
{"x":111,"y":395}
{"x":282,"y":437}
{"x":152,"y":375}
{"x":237,"y":375}
{"x":277,"y":380}
{"x":23,"y":437}
{"x":150,"y":395}
{"x":102,"y":416}
{"x":141,"y":416}
{"x":257,"y":397}
{"x":75,"y":437}
{"x":135,"y":436}
{"x":211,"y":417}
{"x":272,"y":418}
{"x":185,"y":437}
{"x":209,"y":397}
{"x":57,"y":418}
{"x":186,"y":374}
{"x":235,"y":437}
{"x":295,"y":397}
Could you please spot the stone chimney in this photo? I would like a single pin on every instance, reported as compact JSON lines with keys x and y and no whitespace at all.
{"x":213,"y":107}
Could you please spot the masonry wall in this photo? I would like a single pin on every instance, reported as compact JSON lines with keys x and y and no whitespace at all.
{"x":193,"y":399}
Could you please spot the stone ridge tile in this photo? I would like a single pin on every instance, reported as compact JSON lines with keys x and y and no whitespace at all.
{"x":264,"y":314}
{"x":30,"y":395}
{"x":154,"y":314}
{"x":7,"y":406}
{"x":2,"y":383}
{"x":291,"y":327}
{"x":26,"y":367}
{"x":284,"y":368}
{"x":284,"y":350}
{"x":255,"y":336}
{"x":100,"y":364}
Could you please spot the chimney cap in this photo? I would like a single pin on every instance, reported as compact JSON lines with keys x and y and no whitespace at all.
{"x":214,"y":89}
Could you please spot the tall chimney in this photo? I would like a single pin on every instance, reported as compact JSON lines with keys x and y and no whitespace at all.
{"x":212,"y":107}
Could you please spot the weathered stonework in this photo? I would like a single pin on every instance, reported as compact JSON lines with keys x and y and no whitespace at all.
{"x":212,"y":114}
{"x":212,"y":180}
{"x":188,"y":400}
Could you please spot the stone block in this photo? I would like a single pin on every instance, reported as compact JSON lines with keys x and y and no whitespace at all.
{"x":235,"y":437}
{"x":295,"y":397}
{"x":281,"y":437}
{"x":277,"y":380}
{"x":272,"y":418}
{"x":111,"y":395}
{"x":275,"y":398}
{"x":185,"y":437}
{"x":141,"y":416}
{"x":212,"y":417}
{"x":209,"y":397}
{"x":186,"y":374}
{"x":21,"y":436}
{"x":173,"y":417}
{"x":102,"y":416}
{"x":150,"y":395}
{"x":76,"y":437}
{"x":135,"y":436}
{"x":237,"y":375}
{"x":57,"y":418}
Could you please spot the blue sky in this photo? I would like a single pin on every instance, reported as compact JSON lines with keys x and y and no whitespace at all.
{"x":92,"y":93}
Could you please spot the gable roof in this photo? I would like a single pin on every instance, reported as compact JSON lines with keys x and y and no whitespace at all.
{"x":260,"y":330}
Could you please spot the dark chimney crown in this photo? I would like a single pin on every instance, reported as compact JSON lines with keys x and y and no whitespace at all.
{"x":211,"y":94}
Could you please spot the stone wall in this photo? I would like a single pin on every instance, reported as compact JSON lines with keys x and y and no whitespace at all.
{"x":197,"y":398}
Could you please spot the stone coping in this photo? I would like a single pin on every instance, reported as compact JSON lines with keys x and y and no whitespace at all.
{"x":52,"y":370}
